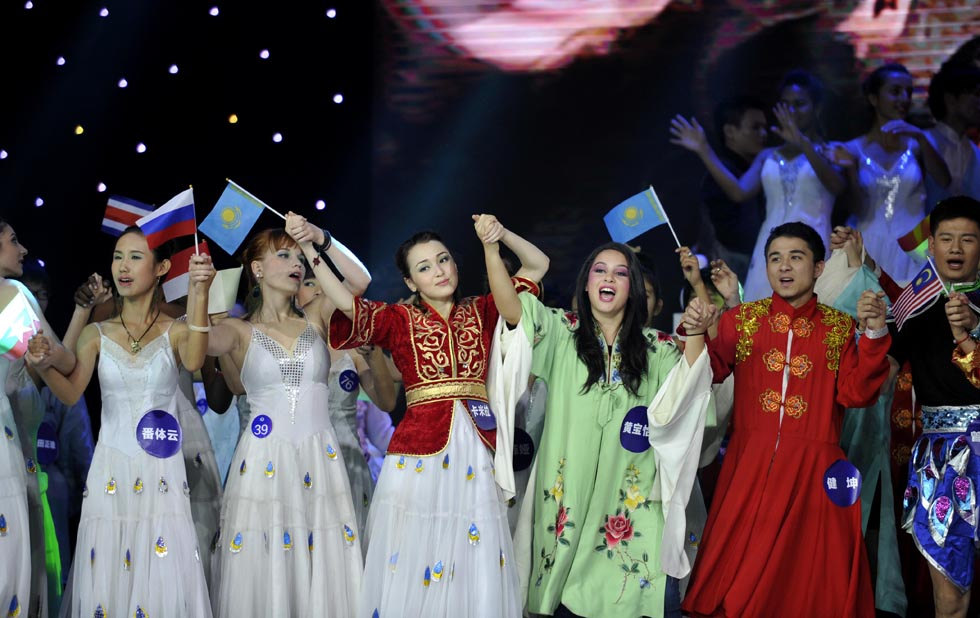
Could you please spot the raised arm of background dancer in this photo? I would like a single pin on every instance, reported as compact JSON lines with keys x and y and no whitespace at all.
{"x":829,"y":175}
{"x":690,"y":135}
{"x":335,"y":291}
{"x":929,"y":157}
{"x":490,"y":231}
{"x":190,"y":341}
{"x":375,"y":377}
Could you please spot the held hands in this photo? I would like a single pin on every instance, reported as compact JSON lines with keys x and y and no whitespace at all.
{"x":93,"y":292}
{"x":900,"y":128}
{"x":726,"y":282}
{"x":787,"y":128}
{"x":201,"y":272}
{"x":688,"y":134}
{"x":302,"y":231}
{"x":871,"y":310}
{"x":39,"y":350}
{"x":488,"y":229}
{"x":698,"y":317}
{"x":850,"y":241}
{"x":690,"y":266}
{"x":961,"y":318}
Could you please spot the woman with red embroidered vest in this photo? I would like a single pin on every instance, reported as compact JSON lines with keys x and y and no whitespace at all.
{"x":440,"y":543}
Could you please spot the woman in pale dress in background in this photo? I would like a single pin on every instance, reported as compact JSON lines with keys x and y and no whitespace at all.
{"x":887,"y":167}
{"x":799,"y":179}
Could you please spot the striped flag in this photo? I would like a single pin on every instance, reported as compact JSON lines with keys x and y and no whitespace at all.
{"x":175,"y":283}
{"x":916,"y":242}
{"x":122,"y":212}
{"x":18,"y":323}
{"x":174,"y":219}
{"x":918,"y":296}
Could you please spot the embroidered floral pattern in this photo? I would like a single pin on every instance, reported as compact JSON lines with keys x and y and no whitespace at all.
{"x":779,"y":323}
{"x":902,"y":418}
{"x":902,"y":454}
{"x":800,"y":366}
{"x":774,"y":360}
{"x":571,"y":320}
{"x":795,"y":406}
{"x":803,"y":327}
{"x":747,"y":325}
{"x":840,"y":327}
{"x":562,"y":523}
{"x":770,"y":400}
{"x":904,"y":381}
{"x":618,"y":531}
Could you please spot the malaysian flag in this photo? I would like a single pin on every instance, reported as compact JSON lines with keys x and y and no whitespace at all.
{"x":122,"y":212}
{"x":919,"y":295}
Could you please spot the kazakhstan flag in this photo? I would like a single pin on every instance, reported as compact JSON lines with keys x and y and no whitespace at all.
{"x":638,"y":214}
{"x":232,"y":218}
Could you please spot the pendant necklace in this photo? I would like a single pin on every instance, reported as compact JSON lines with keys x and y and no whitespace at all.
{"x":134,"y":342}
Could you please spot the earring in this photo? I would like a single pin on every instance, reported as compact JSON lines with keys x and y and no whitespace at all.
{"x":256,"y":292}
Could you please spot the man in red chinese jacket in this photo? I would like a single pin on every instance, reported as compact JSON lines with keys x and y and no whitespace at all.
{"x":784,"y":534}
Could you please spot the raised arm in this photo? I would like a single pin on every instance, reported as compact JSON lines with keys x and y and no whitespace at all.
{"x":191,"y":339}
{"x":305,"y":234}
{"x":690,"y":135}
{"x":929,"y":157}
{"x":827,"y":173}
{"x":490,"y":232}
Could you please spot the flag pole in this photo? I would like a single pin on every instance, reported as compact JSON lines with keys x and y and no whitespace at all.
{"x":666,"y":218}
{"x":936,"y":270}
{"x":239,"y":188}
{"x":197,"y":250}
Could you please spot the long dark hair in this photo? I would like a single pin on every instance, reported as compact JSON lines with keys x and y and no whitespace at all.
{"x":401,"y":261}
{"x":633,"y":344}
{"x":160,"y":253}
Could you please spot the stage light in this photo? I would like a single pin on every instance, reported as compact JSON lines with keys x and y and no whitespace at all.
{"x":141,"y":147}
{"x":233,"y":119}
{"x":101,"y":187}
{"x":214,"y":11}
{"x":104,"y":12}
{"x":123,"y":83}
{"x":3,"y":154}
{"x":320,"y":204}
{"x":60,"y":61}
{"x":28,"y":5}
{"x":331,"y":13}
{"x":264,"y":54}
{"x":79,"y":129}
{"x":41,"y":262}
{"x":173,"y":69}
{"x":277,"y":137}
{"x":38,"y":202}
{"x":338,"y":98}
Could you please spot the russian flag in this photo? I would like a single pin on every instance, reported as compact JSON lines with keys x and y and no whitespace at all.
{"x":174,"y":219}
{"x":175,"y":283}
{"x":122,"y":212}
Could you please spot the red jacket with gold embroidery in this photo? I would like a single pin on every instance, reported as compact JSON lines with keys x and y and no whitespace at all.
{"x":441,"y":361}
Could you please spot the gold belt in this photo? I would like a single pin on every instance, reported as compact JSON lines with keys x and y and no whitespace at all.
{"x":446,"y":390}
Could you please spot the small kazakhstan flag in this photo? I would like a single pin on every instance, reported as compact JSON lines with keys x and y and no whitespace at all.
{"x":636,"y":215}
{"x":232,"y":217}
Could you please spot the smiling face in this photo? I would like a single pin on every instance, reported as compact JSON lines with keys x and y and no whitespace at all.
{"x":792,"y":269}
{"x":280,"y":269}
{"x":956,"y":246}
{"x":11,"y":253}
{"x":894,"y":97}
{"x":608,"y":284}
{"x":800,"y":105}
{"x":432,"y":271}
{"x":134,"y":267}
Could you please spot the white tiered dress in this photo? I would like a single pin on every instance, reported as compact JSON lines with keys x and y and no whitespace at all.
{"x":288,"y":544}
{"x":137,"y":551}
{"x":344,"y":388}
{"x":15,"y":541}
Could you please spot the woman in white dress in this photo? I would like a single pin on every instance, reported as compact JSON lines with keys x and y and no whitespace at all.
{"x":288,"y":543}
{"x":137,"y":553}
{"x":799,"y":178}
{"x":349,"y":372}
{"x":887,"y":166}
{"x":15,"y":541}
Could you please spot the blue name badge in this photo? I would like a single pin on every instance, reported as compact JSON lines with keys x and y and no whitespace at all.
{"x":158,"y":433}
{"x":261,"y":426}
{"x":523,"y":450}
{"x":47,"y":444}
{"x":482,"y":415}
{"x":842,"y":482}
{"x":634,"y":433}
{"x":973,"y":435}
{"x":348,"y":380}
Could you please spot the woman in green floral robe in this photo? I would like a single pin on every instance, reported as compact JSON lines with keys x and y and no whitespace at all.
{"x":620,"y":444}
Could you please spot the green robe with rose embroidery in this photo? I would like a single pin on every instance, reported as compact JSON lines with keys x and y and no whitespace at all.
{"x":596,"y":537}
